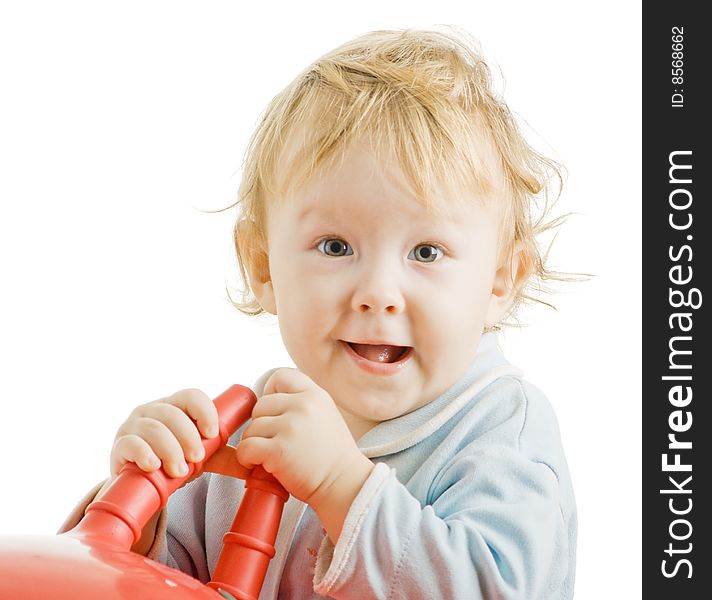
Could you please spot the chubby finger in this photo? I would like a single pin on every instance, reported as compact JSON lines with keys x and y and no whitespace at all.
{"x":265,"y":427}
{"x":272,"y":405}
{"x":288,"y":381}
{"x":200,"y":408}
{"x":133,"y":448}
{"x":258,"y":451}
{"x":180,"y":425}
{"x":164,"y":444}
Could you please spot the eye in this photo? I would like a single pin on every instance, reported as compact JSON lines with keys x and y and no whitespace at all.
{"x":426,"y":253}
{"x":334,"y":247}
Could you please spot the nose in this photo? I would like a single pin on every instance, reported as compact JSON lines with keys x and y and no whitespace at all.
{"x":378,"y":291}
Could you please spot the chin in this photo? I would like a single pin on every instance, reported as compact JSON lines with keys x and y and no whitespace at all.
{"x":378,"y":409}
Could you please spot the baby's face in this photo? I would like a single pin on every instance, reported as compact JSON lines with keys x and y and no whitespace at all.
{"x":379,"y":302}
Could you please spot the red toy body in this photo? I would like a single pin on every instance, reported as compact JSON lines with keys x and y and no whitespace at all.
{"x":94,"y":559}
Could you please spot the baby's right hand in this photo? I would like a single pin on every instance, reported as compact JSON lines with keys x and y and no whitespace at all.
{"x":166,"y":431}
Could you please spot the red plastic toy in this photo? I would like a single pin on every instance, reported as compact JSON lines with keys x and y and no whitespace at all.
{"x":94,"y":559}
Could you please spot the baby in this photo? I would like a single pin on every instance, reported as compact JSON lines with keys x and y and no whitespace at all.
{"x":386,"y":219}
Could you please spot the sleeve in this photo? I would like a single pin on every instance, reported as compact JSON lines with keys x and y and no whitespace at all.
{"x":493,"y":529}
{"x":78,"y":511}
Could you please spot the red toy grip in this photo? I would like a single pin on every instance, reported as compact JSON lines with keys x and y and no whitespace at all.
{"x":249,"y":545}
{"x":135,"y":496}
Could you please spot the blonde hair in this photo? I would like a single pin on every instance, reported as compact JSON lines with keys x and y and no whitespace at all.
{"x":425,"y":96}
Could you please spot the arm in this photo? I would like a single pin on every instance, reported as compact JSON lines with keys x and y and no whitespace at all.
{"x":491,"y":529}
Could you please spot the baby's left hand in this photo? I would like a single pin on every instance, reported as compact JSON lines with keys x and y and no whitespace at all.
{"x":298,"y":434}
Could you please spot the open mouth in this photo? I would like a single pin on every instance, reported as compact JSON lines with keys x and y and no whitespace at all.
{"x":380,"y":353}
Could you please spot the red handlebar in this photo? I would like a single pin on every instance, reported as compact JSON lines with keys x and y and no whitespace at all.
{"x":250,"y":541}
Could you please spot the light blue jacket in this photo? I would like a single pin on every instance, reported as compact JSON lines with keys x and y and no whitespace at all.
{"x":470,"y":498}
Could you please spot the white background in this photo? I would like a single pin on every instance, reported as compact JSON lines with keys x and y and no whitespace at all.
{"x":120,"y":122}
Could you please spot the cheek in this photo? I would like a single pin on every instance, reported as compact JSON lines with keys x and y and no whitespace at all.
{"x":298,"y":332}
{"x":475,"y":291}
{"x":451,"y":318}
{"x":306,"y":313}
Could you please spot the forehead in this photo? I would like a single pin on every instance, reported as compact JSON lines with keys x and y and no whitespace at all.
{"x":365,"y":175}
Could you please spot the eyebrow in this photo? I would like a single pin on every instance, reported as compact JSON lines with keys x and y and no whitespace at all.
{"x":330,"y":213}
{"x":304,"y":213}
{"x":333,"y":213}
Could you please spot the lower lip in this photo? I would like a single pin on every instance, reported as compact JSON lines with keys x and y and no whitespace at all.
{"x":378,"y":368}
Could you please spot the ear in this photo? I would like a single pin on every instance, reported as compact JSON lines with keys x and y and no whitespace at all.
{"x":261,"y":283}
{"x":509,"y":278}
{"x":255,"y":261}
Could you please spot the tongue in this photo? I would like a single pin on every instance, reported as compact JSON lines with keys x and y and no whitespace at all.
{"x":379,"y":353}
